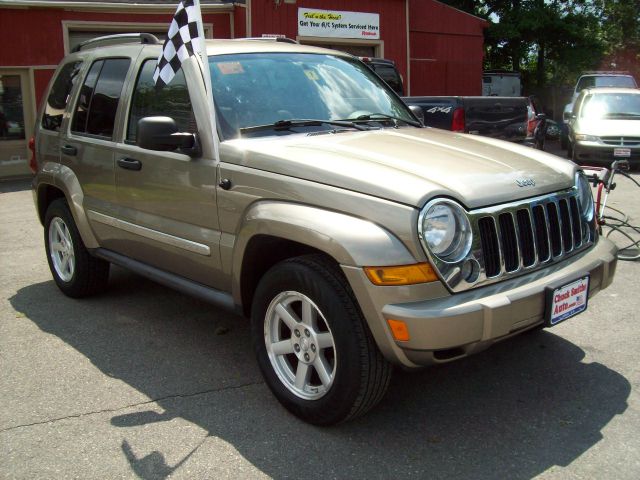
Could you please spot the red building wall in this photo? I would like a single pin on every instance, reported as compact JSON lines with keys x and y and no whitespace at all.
{"x":446,"y":50}
{"x":446,"y":45}
{"x":34,"y":37}
{"x":268,"y":18}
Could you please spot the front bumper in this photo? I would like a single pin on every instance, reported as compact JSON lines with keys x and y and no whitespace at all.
{"x":453,"y":326}
{"x":589,"y":153}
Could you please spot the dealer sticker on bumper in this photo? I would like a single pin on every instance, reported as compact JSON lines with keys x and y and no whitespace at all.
{"x":621,"y":152}
{"x":566,"y":301}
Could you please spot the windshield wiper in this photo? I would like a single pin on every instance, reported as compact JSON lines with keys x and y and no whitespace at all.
{"x":288,"y":124}
{"x":383,"y":116}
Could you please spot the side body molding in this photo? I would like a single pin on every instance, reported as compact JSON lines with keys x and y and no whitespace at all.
{"x":349,"y":240}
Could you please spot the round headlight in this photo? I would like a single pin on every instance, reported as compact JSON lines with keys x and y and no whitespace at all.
{"x":585,"y":198}
{"x":446,"y":231}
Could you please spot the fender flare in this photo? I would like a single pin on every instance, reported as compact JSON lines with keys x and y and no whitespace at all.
{"x":63,"y":178}
{"x":349,"y":240}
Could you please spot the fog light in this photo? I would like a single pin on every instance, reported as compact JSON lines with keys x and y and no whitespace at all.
{"x":470,"y":270}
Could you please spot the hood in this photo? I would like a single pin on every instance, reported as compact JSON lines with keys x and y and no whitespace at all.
{"x":609,"y":127}
{"x":409,"y":165}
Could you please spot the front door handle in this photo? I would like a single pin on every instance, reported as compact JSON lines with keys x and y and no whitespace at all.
{"x":130,"y":164}
{"x":69,"y":150}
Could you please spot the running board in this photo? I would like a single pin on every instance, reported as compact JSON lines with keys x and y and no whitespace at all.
{"x":211,"y":295}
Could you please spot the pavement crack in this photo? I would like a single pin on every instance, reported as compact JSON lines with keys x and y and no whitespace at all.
{"x":133,"y":405}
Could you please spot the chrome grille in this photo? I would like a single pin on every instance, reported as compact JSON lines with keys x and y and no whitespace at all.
{"x":516,"y":238}
{"x":621,"y":141}
{"x":522,"y":236}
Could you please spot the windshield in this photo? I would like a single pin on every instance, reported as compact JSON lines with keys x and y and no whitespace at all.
{"x":264,"y":88}
{"x":611,"y":105}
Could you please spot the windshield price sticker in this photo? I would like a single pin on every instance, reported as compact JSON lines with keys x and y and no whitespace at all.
{"x":230,"y":68}
{"x":567,"y":301}
{"x":621,"y":152}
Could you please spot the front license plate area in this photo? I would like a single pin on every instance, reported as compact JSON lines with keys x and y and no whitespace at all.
{"x":566,"y":301}
{"x":621,"y":152}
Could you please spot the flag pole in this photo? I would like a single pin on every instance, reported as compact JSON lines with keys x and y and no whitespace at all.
{"x":206,"y":73}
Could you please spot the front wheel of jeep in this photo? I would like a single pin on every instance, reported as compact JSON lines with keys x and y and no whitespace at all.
{"x":313,"y":345}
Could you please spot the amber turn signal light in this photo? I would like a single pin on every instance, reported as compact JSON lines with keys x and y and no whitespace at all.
{"x":401,"y":275}
{"x":399,"y":330}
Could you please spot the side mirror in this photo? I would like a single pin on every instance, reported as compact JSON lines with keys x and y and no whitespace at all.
{"x":417,"y":111}
{"x":161,"y":134}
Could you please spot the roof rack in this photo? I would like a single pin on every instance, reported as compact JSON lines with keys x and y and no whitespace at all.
{"x":606,"y":72}
{"x":122,"y":37}
{"x":270,"y":39}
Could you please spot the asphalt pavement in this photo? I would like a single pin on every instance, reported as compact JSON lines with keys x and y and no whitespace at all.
{"x":144,"y":382}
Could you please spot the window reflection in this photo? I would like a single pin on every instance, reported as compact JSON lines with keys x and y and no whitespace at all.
{"x":260,"y":89}
{"x":172,"y":100}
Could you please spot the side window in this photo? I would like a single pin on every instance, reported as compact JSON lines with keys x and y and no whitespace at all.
{"x":98,"y":102}
{"x":59,"y":96}
{"x":172,"y":100}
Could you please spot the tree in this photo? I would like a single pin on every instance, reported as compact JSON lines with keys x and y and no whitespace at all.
{"x":621,"y":35}
{"x":546,"y":40}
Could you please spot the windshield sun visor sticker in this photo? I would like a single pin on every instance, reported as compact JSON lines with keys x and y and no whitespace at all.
{"x":230,"y":68}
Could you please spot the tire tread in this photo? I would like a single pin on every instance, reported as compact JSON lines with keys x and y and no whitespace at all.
{"x":377,"y":371}
{"x":92,"y":274}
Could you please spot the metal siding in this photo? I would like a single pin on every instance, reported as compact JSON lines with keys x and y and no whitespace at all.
{"x":433,"y":16}
{"x":18,"y":29}
{"x":239,"y":22}
{"x":446,"y":50}
{"x":451,"y":39}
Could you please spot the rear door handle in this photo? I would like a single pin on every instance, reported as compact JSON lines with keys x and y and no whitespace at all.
{"x":130,"y":164}
{"x":69,"y":150}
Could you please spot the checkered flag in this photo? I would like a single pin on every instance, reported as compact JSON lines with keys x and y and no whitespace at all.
{"x":182,"y":42}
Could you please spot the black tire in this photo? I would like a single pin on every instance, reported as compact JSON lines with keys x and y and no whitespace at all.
{"x":360,"y":375}
{"x":89,"y":274}
{"x":564,"y":142}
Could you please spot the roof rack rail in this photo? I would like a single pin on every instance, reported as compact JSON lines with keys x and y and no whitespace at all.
{"x":606,"y":72}
{"x":124,"y":37}
{"x":270,"y":39}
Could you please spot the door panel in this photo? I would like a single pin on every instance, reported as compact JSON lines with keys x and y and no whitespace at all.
{"x":88,"y":149}
{"x":167,"y":212}
{"x":170,"y":213}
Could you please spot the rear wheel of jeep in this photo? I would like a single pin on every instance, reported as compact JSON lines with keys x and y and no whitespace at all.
{"x":74,"y":270}
{"x":312,"y":343}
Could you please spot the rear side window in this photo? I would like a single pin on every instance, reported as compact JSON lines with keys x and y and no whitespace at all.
{"x":95,"y":112}
{"x":171,"y":100}
{"x":59,"y":96}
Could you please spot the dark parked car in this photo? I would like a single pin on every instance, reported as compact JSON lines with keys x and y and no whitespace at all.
{"x":505,"y":118}
{"x":386,"y":69}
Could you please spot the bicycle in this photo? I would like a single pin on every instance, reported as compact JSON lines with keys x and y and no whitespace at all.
{"x":618,"y":223}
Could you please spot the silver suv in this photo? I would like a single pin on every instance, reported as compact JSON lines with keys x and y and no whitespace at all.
{"x":352,"y":237}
